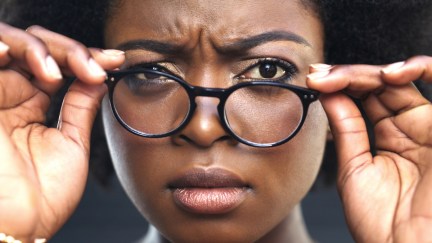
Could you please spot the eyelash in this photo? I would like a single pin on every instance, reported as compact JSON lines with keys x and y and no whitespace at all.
{"x":151,"y":65}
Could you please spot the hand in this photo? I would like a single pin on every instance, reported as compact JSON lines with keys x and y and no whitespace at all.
{"x":387,"y":197}
{"x":43,"y":170}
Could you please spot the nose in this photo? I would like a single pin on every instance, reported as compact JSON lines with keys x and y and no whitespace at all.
{"x":204,"y":129}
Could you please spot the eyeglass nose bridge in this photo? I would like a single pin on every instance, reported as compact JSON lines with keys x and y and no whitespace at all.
{"x":197,"y":91}
{"x":219,"y":93}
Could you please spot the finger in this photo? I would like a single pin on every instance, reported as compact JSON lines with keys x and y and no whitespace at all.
{"x":31,"y":51}
{"x":375,"y":109}
{"x":108,"y":59}
{"x":71,"y":54}
{"x":363,"y":81}
{"x":4,"y":54}
{"x":354,"y":79}
{"x":415,"y":68}
{"x":349,"y":132}
{"x":88,"y":66}
{"x":81,"y":103}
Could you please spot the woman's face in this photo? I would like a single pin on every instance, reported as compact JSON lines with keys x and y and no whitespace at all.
{"x":201,"y":183}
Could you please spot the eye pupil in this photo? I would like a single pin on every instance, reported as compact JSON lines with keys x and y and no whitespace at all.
{"x":268,"y":70}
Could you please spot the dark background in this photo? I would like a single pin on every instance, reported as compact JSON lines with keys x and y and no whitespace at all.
{"x":107,"y":215}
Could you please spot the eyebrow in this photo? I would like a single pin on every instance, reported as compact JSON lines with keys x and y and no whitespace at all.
{"x":254,"y":41}
{"x":239,"y":46}
{"x":150,"y":45}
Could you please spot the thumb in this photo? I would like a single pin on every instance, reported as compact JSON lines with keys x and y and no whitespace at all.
{"x":79,"y":109}
{"x":349,"y":133}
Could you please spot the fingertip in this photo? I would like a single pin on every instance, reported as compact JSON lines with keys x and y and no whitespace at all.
{"x":323,"y":82}
{"x":3,"y":47}
{"x":393,"y":68}
{"x":96,"y":70}
{"x":45,"y":69}
{"x":52,"y":69}
{"x":318,"y":77}
{"x":113,"y":53}
{"x":4,"y":54}
{"x":108,"y":59}
{"x":401,"y":73}
{"x":316,"y":67}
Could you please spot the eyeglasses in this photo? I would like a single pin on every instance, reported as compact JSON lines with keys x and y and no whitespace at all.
{"x":156,"y":104}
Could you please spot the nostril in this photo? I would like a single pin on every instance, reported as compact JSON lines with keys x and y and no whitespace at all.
{"x":224,"y":138}
{"x":228,"y":139}
{"x":184,"y":139}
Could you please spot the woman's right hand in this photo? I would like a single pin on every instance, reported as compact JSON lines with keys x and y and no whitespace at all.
{"x":43,"y":170}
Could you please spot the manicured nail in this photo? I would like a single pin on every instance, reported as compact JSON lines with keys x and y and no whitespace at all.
{"x":318,"y":75}
{"x":393,"y":67}
{"x":321,"y":66}
{"x":95,"y":69}
{"x":3,"y":47}
{"x":113,"y":52}
{"x":52,"y":67}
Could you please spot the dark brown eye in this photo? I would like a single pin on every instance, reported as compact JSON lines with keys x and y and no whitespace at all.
{"x":268,"y":70}
{"x":264,"y":70}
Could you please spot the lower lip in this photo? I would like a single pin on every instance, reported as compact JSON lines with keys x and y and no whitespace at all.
{"x":209,"y":200}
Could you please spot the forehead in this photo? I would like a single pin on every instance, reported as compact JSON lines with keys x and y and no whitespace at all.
{"x":224,"y":20}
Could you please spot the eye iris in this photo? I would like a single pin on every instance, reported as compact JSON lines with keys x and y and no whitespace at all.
{"x":268,"y":70}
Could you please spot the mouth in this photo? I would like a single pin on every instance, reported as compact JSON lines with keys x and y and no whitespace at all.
{"x":211,"y":191}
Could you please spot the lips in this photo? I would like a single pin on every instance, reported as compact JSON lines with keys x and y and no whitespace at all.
{"x":212,"y":191}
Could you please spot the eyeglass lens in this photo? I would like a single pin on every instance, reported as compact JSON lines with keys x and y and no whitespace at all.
{"x":263,"y":114}
{"x":152,"y":105}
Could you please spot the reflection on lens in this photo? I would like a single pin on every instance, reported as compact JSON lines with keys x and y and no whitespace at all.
{"x":263,"y":114}
{"x":151,"y":104}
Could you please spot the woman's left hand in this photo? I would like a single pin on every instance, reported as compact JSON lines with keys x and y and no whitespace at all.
{"x":386,"y":197}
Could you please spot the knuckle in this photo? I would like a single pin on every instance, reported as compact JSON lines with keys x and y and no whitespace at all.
{"x":345,"y":70}
{"x":422,"y":57}
{"x":34,"y":29}
{"x":34,"y":44}
{"x":75,"y":46}
{"x":422,"y":60}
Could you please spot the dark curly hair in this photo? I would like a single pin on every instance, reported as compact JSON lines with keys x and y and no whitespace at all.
{"x":356,"y":31}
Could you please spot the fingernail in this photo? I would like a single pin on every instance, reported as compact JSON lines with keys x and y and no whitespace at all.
{"x":321,"y":66}
{"x":113,"y":52}
{"x":3,"y":47}
{"x":318,"y":75}
{"x":52,"y":67}
{"x":95,"y":69}
{"x":393,"y":67}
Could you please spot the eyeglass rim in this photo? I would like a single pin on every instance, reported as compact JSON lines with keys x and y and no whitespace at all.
{"x":307,"y":96}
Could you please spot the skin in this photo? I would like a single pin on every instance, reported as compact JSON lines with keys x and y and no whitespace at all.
{"x":386,"y":197}
{"x":279,"y":177}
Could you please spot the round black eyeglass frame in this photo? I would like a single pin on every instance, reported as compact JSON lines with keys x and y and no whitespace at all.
{"x":307,"y":96}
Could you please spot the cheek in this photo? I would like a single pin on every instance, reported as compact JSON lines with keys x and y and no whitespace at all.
{"x":295,"y":165}
{"x":136,"y":160}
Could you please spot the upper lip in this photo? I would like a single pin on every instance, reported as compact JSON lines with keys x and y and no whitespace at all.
{"x":207,"y":178}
